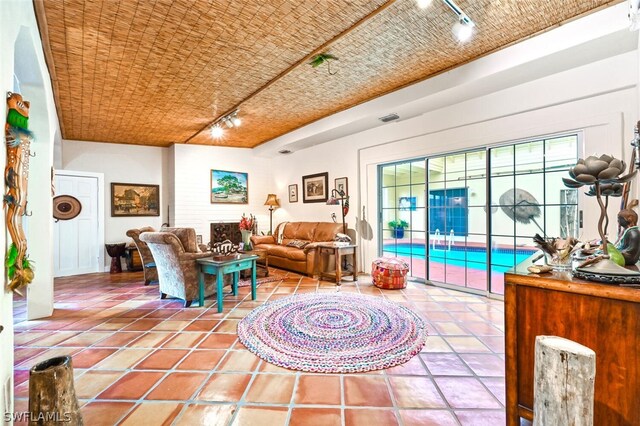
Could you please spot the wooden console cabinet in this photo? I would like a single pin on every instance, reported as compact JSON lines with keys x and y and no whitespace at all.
{"x":603,"y":317}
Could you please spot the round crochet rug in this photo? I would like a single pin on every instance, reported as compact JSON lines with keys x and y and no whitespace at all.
{"x":333,"y":333}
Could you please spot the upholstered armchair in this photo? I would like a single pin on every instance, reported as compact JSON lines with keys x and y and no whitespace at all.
{"x":148,"y":264}
{"x":176,"y":253}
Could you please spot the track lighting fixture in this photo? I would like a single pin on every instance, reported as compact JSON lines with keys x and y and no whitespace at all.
{"x":463,"y":29}
{"x":229,"y":121}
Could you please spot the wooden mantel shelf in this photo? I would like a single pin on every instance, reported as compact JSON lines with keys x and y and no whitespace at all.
{"x":603,"y":317}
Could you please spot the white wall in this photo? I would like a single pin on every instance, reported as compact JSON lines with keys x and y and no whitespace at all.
{"x":124,"y":164}
{"x":17,"y":19}
{"x":192,"y":166}
{"x":599,"y":98}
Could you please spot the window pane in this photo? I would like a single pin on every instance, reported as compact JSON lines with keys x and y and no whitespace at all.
{"x":502,"y":160}
{"x":455,"y":167}
{"x":436,"y":169}
{"x":403,"y":174}
{"x":530,"y":157}
{"x":418,"y":172}
{"x":388,"y":176}
{"x":388,"y":198}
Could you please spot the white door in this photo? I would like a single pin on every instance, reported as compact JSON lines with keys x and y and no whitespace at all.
{"x":75,"y":241}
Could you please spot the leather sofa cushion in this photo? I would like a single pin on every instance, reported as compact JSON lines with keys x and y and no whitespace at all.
{"x":299,"y":231}
{"x":326,"y":231}
{"x":287,"y":252}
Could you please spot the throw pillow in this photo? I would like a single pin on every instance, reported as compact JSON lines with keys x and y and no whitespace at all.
{"x":297,"y":244}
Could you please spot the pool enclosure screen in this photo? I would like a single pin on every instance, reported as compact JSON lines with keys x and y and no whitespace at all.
{"x":471,"y":215}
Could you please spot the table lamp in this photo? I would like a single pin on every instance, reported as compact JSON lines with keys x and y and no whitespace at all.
{"x":272,"y":202}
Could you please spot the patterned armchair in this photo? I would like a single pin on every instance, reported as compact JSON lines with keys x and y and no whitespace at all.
{"x":175,"y":251}
{"x":148,"y":264}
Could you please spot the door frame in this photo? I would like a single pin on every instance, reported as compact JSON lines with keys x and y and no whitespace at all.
{"x":100,"y":209}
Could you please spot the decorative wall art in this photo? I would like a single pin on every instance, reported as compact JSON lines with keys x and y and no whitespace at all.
{"x":293,"y":193}
{"x":407,"y":203}
{"x":229,"y":187}
{"x":341,"y":184}
{"x":16,"y":177}
{"x":315,"y":188}
{"x":132,"y":199}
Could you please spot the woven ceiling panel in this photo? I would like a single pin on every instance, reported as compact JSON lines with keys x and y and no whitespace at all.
{"x":155,"y":73}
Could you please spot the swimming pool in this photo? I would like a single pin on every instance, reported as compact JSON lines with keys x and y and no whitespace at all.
{"x":471,"y":257}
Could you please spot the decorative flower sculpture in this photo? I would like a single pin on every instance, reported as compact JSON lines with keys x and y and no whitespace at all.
{"x":607,"y":190}
{"x":604,"y":174}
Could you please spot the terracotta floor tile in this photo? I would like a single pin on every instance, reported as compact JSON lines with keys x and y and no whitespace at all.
{"x":22,"y":354}
{"x":430,"y":418}
{"x":239,"y":361}
{"x":20,"y":376}
{"x":184,"y":340}
{"x":86,"y":339}
{"x":46,"y":354}
{"x":90,"y":357}
{"x":467,"y":344}
{"x":318,"y":389}
{"x":436,"y":344}
{"x":266,"y":367}
{"x":316,"y":417}
{"x":252,"y":416}
{"x":447,"y":364}
{"x":119,"y":339}
{"x":123,"y":359}
{"x":365,"y":416}
{"x":202,"y":325}
{"x":206,"y":415}
{"x":92,"y":383}
{"x":142,"y":325}
{"x":52,"y":339}
{"x":485,"y":364}
{"x":155,"y":413}
{"x":202,"y":360}
{"x":466,"y":392}
{"x":105,"y":413}
{"x":151,"y":339}
{"x":177,"y":386}
{"x":481,"y":418}
{"x":132,"y":385}
{"x":218,"y":341}
{"x":163,"y":314}
{"x":161,"y":359}
{"x":413,"y":367}
{"x":415,"y":392}
{"x":271,"y":388}
{"x":368,"y":391}
{"x":170,"y":325}
{"x":224,"y":387}
{"x":497,"y":387}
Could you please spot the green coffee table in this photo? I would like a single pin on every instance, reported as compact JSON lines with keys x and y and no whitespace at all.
{"x":219,"y":266}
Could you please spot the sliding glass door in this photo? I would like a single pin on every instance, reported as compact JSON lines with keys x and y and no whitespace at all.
{"x":470,"y":216}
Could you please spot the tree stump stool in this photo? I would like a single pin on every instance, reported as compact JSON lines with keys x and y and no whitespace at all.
{"x":52,"y":396}
{"x":564,"y":377}
{"x":115,"y":251}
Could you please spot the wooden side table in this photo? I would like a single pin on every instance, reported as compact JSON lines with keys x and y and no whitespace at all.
{"x":134,"y":262}
{"x":339,"y":251}
{"x":261,"y":263}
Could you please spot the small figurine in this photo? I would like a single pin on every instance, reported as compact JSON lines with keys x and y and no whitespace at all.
{"x":629,"y":243}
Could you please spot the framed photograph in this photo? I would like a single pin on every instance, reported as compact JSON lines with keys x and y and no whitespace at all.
{"x":199,"y":239}
{"x":341,"y":184}
{"x":293,"y":193}
{"x":229,"y":187}
{"x":407,"y":203}
{"x":133,"y":199}
{"x":315,"y":188}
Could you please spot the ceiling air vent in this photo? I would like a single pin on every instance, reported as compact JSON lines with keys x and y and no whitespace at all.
{"x":285,"y":151}
{"x":388,"y":118}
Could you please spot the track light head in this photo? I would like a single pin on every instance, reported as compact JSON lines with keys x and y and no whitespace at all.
{"x":423,"y":4}
{"x":217,"y":131}
{"x":463,"y":30}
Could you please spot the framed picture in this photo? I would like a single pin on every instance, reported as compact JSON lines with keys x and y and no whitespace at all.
{"x":315,"y":188}
{"x":133,"y":199}
{"x":407,"y":203}
{"x":229,"y":187}
{"x":293,"y":193}
{"x":341,"y":184}
{"x":199,"y":239}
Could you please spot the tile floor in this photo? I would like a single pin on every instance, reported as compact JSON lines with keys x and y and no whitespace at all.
{"x":139,"y":360}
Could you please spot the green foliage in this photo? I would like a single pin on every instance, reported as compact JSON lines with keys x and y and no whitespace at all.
{"x":398,"y":224}
{"x":321,"y":58}
{"x":11,"y":260}
{"x":230,"y":184}
{"x":12,"y":256}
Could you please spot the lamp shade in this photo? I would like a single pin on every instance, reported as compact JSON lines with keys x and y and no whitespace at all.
{"x":272,"y":200}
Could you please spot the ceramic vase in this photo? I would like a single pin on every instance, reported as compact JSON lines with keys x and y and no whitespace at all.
{"x":246,"y":239}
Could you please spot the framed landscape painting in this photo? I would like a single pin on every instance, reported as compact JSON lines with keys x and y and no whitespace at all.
{"x":229,"y":187}
{"x":315,"y":188}
{"x":132,"y":199}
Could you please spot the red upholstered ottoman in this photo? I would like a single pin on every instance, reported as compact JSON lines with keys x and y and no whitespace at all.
{"x":389,"y":273}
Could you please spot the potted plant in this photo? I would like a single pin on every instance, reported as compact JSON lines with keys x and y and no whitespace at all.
{"x":397,"y":227}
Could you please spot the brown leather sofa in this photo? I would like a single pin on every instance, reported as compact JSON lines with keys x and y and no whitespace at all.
{"x":296,"y":250}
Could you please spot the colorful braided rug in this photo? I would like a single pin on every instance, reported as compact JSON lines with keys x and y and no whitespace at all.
{"x":333,"y":332}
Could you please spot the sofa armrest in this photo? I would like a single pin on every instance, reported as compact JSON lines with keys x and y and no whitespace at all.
{"x":262,"y":239}
{"x":194,"y":256}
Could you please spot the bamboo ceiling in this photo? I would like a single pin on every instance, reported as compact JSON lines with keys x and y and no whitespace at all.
{"x":157,"y":72}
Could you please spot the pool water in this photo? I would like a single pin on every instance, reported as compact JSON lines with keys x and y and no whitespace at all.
{"x":472,"y":257}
